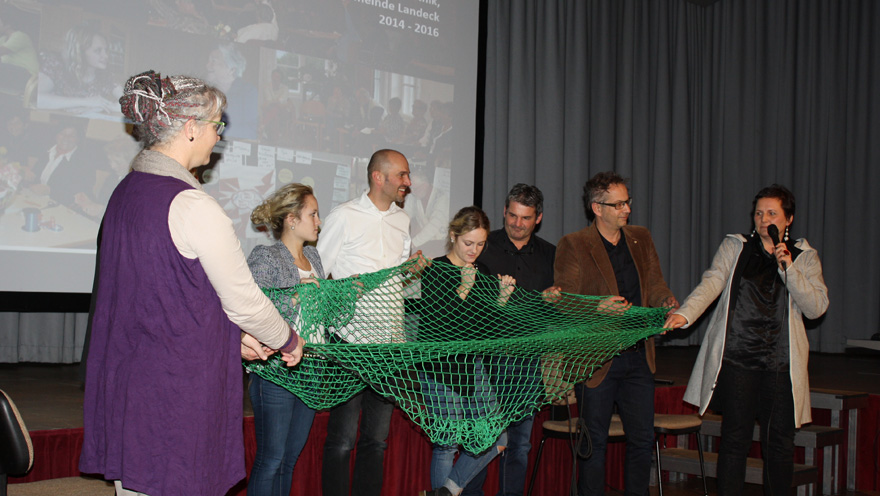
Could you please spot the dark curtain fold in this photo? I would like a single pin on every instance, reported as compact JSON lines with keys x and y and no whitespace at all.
{"x":700,"y":107}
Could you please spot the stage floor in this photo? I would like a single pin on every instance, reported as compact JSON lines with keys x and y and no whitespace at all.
{"x":49,"y":396}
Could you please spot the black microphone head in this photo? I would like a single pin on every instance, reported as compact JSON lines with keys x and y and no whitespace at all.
{"x":773,"y":232}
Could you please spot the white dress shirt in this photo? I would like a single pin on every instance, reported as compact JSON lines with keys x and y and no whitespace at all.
{"x":358,"y":238}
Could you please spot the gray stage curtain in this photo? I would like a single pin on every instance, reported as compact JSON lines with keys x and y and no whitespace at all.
{"x":700,"y":107}
{"x":42,"y":337}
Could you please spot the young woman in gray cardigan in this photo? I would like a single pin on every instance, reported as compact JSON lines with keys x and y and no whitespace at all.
{"x":281,"y":420}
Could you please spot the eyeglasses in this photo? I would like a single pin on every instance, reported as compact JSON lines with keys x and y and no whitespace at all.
{"x":218,"y":125}
{"x":617,"y":205}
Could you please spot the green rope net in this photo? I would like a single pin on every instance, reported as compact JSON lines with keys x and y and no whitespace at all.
{"x":462,"y":356}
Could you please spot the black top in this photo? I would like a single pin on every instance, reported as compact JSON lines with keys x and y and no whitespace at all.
{"x":532,"y":266}
{"x":624,"y":270}
{"x":444,"y":316}
{"x":757,"y":330}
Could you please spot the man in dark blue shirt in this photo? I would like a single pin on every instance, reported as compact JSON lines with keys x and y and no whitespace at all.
{"x":516,"y":251}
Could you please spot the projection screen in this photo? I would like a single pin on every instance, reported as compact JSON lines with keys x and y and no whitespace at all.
{"x":314,"y":87}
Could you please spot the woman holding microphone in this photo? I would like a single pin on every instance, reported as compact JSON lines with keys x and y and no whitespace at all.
{"x":753,"y":360}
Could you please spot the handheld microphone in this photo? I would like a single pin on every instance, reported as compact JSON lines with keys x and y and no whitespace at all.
{"x":773,"y":232}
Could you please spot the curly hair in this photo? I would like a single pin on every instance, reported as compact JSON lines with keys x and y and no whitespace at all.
{"x":158,"y":107}
{"x":466,"y":220}
{"x":596,"y":188}
{"x":289,"y":199}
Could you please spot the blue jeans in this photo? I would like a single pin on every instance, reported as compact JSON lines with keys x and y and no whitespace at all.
{"x":517,"y":380}
{"x":455,"y":405}
{"x":629,"y":384}
{"x":342,"y":431}
{"x":513,"y":463}
{"x":445,"y":469}
{"x":281,"y":423}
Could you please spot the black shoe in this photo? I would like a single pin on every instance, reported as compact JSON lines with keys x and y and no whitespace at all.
{"x":441,"y":491}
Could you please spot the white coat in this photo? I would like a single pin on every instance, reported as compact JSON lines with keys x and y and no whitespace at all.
{"x":807,"y":295}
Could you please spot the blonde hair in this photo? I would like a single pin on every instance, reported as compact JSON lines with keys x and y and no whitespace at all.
{"x":466,"y":220}
{"x":289,"y":199}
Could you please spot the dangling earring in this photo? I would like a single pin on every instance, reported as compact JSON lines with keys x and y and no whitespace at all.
{"x":786,"y":234}
{"x":451,"y":239}
{"x":753,"y":234}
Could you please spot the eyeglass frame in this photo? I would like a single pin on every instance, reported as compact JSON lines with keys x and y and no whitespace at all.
{"x":220,"y":125}
{"x":617,"y":205}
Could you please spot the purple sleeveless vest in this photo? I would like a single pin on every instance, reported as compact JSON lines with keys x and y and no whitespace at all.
{"x":163,"y":402}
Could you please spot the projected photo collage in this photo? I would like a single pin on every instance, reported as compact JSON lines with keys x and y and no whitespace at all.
{"x":313,"y":89}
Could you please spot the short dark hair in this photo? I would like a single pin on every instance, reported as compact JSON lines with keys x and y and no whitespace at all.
{"x":379,"y":162}
{"x":596,"y":187}
{"x":527,"y":195}
{"x":779,"y":192}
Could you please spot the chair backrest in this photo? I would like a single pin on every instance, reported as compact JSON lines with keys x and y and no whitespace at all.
{"x":560,"y":407}
{"x":568,"y":399}
{"x":16,"y":450}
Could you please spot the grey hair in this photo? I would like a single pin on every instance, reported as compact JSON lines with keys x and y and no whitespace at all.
{"x":159,"y":107}
{"x":527,"y":195}
{"x":597,"y":187}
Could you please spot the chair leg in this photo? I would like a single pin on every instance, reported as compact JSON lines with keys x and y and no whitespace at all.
{"x":702,"y":465}
{"x":537,"y":464}
{"x":659,"y":470}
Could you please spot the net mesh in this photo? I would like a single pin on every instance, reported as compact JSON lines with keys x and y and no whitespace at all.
{"x":461,"y":356}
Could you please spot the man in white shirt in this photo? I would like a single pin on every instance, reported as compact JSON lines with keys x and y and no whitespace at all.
{"x":364,"y":235}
